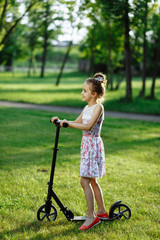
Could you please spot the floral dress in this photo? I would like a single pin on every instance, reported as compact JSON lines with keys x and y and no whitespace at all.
{"x":92,"y":148}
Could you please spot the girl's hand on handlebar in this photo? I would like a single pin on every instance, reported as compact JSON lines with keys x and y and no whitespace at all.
{"x":63,"y":121}
{"x":53,"y":119}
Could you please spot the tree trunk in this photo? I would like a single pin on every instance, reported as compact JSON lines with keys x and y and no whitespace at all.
{"x":45,"y":45}
{"x":63,"y":63}
{"x":157,"y":54}
{"x":29,"y":66}
{"x":142,"y":93}
{"x":110,"y":66}
{"x":127,"y":55}
{"x":120,"y":76}
{"x":3,"y":13}
{"x":44,"y":54}
{"x":9,"y":63}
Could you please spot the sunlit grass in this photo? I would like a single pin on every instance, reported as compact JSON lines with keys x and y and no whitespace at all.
{"x":132,"y":175}
{"x":20,"y":88}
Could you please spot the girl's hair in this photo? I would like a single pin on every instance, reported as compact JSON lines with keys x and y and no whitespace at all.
{"x":98,"y":83}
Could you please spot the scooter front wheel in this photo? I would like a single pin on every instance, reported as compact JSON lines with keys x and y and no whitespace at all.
{"x":119,"y":211}
{"x":42,"y":213}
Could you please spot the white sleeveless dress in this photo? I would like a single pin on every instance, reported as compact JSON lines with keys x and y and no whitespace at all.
{"x":92,"y":148}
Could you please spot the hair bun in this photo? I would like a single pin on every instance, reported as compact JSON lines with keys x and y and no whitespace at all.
{"x":100,"y":77}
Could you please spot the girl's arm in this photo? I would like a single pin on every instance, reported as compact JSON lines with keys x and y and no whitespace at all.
{"x":86,"y":126}
{"x":77,"y":120}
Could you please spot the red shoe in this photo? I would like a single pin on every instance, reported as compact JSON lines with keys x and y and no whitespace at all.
{"x":103,"y":216}
{"x":93,"y":224}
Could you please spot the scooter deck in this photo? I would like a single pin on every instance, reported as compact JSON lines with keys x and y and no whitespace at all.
{"x":79,"y":218}
{"x":83,"y":218}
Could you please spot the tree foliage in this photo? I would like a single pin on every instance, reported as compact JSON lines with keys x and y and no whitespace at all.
{"x":122,"y":37}
{"x":119,"y":37}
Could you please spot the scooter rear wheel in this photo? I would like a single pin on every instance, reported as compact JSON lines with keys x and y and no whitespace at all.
{"x":42,"y":214}
{"x":119,"y":211}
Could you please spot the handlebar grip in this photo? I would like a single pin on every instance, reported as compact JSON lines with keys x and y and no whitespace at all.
{"x":56,"y":122}
{"x":65,"y":125}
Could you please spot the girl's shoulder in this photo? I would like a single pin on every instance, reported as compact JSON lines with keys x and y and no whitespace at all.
{"x":100,"y":106}
{"x":101,"y":110}
{"x":92,"y":108}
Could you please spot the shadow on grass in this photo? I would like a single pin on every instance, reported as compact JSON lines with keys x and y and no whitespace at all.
{"x":142,"y":106}
{"x":44,"y":156}
{"x":67,"y":78}
{"x":50,"y":81}
{"x":26,"y":141}
{"x":136,"y":145}
{"x":36,"y":227}
{"x":40,"y":91}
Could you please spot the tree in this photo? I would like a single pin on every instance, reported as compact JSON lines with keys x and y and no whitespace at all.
{"x":127,"y":51}
{"x":31,"y":35}
{"x":49,"y":28}
{"x":156,"y":49}
{"x":103,"y":46}
{"x":141,"y":16}
{"x":64,"y":62}
{"x":143,"y":13}
{"x":4,"y":7}
{"x":117,"y":10}
{"x":113,"y":42}
{"x":46,"y":15}
{"x":72,"y":16}
{"x":155,"y":68}
{"x":122,"y":9}
{"x":144,"y":48}
{"x":14,"y":49}
{"x":15,"y":21}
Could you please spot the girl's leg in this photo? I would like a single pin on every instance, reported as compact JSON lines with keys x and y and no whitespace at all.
{"x":89,"y":195}
{"x":98,"y":196}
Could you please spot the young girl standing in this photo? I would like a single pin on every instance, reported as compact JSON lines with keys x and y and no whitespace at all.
{"x":92,"y":150}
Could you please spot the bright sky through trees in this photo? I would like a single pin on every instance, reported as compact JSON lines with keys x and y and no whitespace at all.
{"x":68,"y":33}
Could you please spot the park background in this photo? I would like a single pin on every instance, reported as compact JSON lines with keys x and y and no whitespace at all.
{"x":47,"y":50}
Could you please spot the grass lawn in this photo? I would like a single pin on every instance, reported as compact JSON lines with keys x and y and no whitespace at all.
{"x":132,"y":167}
{"x":18,"y":87}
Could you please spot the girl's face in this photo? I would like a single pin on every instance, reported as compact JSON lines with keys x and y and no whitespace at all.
{"x":86,"y":93}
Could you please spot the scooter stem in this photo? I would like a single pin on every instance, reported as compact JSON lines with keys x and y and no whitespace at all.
{"x":55,"y":149}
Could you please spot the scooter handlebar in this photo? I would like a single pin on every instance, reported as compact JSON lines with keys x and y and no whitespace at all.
{"x":57,"y":122}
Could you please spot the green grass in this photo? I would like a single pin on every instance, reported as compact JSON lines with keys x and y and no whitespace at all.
{"x":132,"y":167}
{"x":18,"y":87}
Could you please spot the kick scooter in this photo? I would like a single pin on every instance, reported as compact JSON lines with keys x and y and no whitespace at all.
{"x":48,"y":211}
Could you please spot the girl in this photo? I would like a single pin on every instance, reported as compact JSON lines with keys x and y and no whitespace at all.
{"x":92,"y":150}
